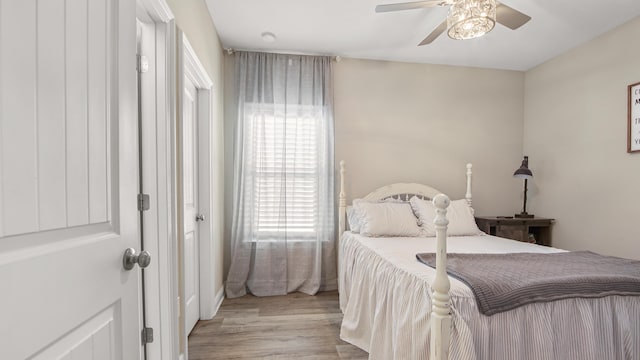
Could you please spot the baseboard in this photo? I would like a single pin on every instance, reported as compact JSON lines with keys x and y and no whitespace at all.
{"x":209,"y":307}
{"x":218,"y":300}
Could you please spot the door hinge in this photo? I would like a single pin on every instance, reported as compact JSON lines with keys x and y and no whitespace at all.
{"x":143,"y":202}
{"x":147,"y":335}
{"x":143,"y":64}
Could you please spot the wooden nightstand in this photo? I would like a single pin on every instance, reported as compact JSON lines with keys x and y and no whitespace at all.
{"x":517,"y":229}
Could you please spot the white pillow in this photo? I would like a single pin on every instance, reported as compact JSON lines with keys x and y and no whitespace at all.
{"x":425,"y":211}
{"x":388,"y":219}
{"x":461,"y":220}
{"x":459,"y":214}
{"x":354,"y":215}
{"x":354,"y":219}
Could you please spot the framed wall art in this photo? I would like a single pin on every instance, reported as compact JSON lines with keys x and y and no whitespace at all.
{"x":633,"y":128}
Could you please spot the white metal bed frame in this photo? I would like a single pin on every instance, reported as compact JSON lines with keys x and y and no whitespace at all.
{"x":441,"y":306}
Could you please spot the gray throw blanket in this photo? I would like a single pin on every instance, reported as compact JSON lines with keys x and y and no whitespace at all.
{"x":502,"y":282}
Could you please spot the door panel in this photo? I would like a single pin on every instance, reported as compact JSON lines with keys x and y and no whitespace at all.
{"x":68,"y":175}
{"x":18,"y":114}
{"x":45,"y":151}
{"x":92,"y":340}
{"x":190,"y":196}
{"x":76,"y":105}
{"x":50,"y":116}
{"x":191,"y":276}
{"x":97,"y":109}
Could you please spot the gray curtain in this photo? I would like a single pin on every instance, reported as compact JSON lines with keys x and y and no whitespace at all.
{"x":283,"y":191}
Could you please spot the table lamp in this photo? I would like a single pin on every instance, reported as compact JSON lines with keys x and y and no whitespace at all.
{"x":525,"y":173}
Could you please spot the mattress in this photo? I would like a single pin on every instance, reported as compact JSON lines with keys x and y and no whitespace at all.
{"x":385,"y":299}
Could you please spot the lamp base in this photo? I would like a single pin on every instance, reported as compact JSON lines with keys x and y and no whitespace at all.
{"x":523,"y":216}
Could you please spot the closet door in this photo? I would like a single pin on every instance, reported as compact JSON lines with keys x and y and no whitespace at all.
{"x":190,"y":196}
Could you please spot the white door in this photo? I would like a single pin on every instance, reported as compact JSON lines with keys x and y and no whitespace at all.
{"x":68,"y":175}
{"x":190,"y":195}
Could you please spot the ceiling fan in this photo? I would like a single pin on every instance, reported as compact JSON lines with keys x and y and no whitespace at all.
{"x":467,"y":19}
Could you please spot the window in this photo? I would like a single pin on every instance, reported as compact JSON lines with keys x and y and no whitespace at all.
{"x":284,"y":163}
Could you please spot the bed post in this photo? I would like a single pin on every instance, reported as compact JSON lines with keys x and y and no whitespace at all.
{"x":342,"y":205}
{"x":441,"y":308}
{"x":468,"y":195}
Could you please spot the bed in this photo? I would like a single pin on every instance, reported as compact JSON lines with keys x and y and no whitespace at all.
{"x":398,"y":308}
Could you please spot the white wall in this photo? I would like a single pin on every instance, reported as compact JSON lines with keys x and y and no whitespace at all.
{"x":575,"y":129}
{"x":193,"y":18}
{"x":401,"y":122}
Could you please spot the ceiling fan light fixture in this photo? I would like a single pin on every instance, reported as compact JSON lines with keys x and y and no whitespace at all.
{"x":470,"y":19}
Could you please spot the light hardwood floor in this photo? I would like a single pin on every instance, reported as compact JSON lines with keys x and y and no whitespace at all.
{"x":295,"y":326}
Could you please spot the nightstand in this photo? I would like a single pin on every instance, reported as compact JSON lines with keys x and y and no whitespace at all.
{"x":517,"y":229}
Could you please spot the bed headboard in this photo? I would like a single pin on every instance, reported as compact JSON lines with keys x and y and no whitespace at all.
{"x":402,"y":191}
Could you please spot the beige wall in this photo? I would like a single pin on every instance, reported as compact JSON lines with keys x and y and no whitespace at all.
{"x":400,"y":122}
{"x":575,"y":129}
{"x":193,"y":18}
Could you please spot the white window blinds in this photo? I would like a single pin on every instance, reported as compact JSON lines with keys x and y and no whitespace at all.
{"x":284,"y":154}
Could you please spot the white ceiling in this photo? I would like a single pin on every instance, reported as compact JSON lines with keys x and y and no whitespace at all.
{"x":351,"y":28}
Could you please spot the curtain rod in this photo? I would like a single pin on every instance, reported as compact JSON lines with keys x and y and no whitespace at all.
{"x":336,"y":58}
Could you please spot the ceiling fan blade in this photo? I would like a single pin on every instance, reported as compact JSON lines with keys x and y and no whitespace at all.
{"x":434,"y":34}
{"x":408,"y":5}
{"x":510,"y":17}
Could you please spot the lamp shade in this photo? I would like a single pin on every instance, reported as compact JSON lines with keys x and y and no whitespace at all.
{"x":523,"y":171}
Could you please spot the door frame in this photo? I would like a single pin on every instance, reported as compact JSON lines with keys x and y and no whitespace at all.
{"x":188,"y":62}
{"x":159,"y":171}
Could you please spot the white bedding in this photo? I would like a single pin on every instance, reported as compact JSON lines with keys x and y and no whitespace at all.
{"x":384,"y":295}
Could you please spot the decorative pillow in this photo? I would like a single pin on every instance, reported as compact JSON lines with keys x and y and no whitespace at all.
{"x":459,"y":214}
{"x":354,"y":215}
{"x":425,"y":211}
{"x":461,"y":220}
{"x":388,"y":219}
{"x":354,"y":219}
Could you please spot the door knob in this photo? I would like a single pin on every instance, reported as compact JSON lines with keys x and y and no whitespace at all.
{"x":130,"y":258}
{"x":200,"y":217}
